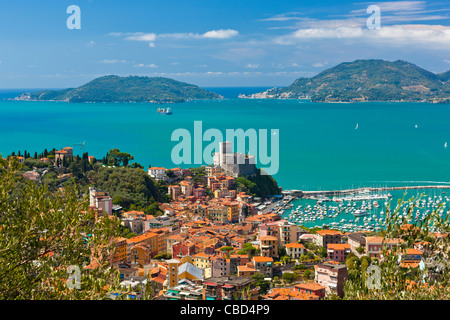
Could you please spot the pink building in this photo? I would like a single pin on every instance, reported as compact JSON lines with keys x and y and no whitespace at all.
{"x":332,"y":276}
{"x":375,"y":245}
{"x":338,"y":251}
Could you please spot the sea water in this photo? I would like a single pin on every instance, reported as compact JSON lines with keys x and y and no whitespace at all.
{"x":321,"y":148}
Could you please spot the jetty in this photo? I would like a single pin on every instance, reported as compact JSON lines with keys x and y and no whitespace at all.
{"x":326,"y":193}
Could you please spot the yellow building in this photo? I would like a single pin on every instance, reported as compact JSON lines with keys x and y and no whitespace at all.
{"x":121,"y":250}
{"x":232,"y":210}
{"x":203,"y":261}
{"x":218,"y":213}
{"x":269,"y":246}
{"x":183,"y":269}
{"x":149,"y":238}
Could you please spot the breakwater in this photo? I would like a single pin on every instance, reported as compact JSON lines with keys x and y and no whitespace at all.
{"x":326,"y":193}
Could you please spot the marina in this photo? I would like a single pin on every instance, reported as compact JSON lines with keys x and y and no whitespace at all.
{"x":363,"y":209}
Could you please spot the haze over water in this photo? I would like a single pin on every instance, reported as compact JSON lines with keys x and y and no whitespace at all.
{"x":319,"y":145}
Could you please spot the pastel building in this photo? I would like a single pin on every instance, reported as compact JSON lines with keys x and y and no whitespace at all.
{"x":324,"y":237}
{"x":332,"y":276}
{"x":338,"y":251}
{"x":157,"y":173}
{"x":100,"y":200}
{"x":295,"y":249}
{"x":375,"y":245}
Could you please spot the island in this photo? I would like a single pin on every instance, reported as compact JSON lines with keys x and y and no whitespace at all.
{"x":367,"y":80}
{"x":114,"y":88}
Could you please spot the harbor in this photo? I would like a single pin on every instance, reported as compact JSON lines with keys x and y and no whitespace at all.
{"x":361,"y":209}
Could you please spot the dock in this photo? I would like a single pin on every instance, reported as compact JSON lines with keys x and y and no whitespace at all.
{"x":325,"y":193}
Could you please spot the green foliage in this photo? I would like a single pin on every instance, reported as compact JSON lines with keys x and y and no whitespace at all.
{"x":165,"y":255}
{"x":264,"y":285}
{"x":170,"y":174}
{"x":372,"y":80}
{"x":308,"y":274}
{"x":289,"y":277}
{"x":285,"y":259}
{"x":42,"y":234}
{"x":128,"y":89}
{"x":127,"y":186}
{"x":249,"y":249}
{"x":258,"y":185}
{"x":405,"y":283}
{"x":299,"y":267}
{"x":116,"y":158}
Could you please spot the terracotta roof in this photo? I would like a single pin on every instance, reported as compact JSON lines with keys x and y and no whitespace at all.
{"x":262,"y":259}
{"x":328,"y":232}
{"x":309,"y":286}
{"x":268,"y":238}
{"x":338,"y":246}
{"x":295,"y":245}
{"x":413,"y":251}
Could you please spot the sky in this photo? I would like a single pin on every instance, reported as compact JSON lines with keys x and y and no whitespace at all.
{"x":212,"y":43}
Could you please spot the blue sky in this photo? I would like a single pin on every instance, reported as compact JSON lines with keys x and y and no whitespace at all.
{"x":213,"y":42}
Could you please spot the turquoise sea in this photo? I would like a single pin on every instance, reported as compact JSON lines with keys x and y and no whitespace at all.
{"x":319,"y":145}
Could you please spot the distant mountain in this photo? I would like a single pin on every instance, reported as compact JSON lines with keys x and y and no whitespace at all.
{"x":125,"y":89}
{"x":445,"y":76}
{"x":368,"y":80}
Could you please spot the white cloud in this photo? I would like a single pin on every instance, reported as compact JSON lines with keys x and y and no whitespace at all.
{"x":141,"y":65}
{"x":140,"y":36}
{"x":320,"y":64}
{"x":220,"y":34}
{"x":151,"y":37}
{"x":317,"y":33}
{"x":395,"y":6}
{"x":398,"y":34}
{"x":284,"y":17}
{"x":113,"y":61}
{"x":252,"y":66}
{"x":447,"y":60}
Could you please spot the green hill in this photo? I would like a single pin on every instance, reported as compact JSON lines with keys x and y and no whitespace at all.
{"x":369,"y":80}
{"x":445,"y":76}
{"x":125,"y":89}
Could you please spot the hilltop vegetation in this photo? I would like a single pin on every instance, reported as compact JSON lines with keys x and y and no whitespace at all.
{"x":370,"y":80}
{"x":131,"y":188}
{"x":125,"y":89}
{"x":128,"y":185}
{"x":258,"y":185}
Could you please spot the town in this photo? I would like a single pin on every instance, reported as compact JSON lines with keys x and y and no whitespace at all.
{"x":213,"y":241}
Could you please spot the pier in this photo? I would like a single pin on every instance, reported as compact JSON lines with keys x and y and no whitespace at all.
{"x":319,"y":193}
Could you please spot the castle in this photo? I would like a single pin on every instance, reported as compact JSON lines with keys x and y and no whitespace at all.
{"x":234,"y":164}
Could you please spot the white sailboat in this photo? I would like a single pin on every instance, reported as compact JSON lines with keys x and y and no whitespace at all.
{"x":416,"y":126}
{"x":445,"y":145}
{"x":356,"y":126}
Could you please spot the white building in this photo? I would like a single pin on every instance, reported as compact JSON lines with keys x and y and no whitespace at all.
{"x":157,"y":173}
{"x":101,"y":200}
